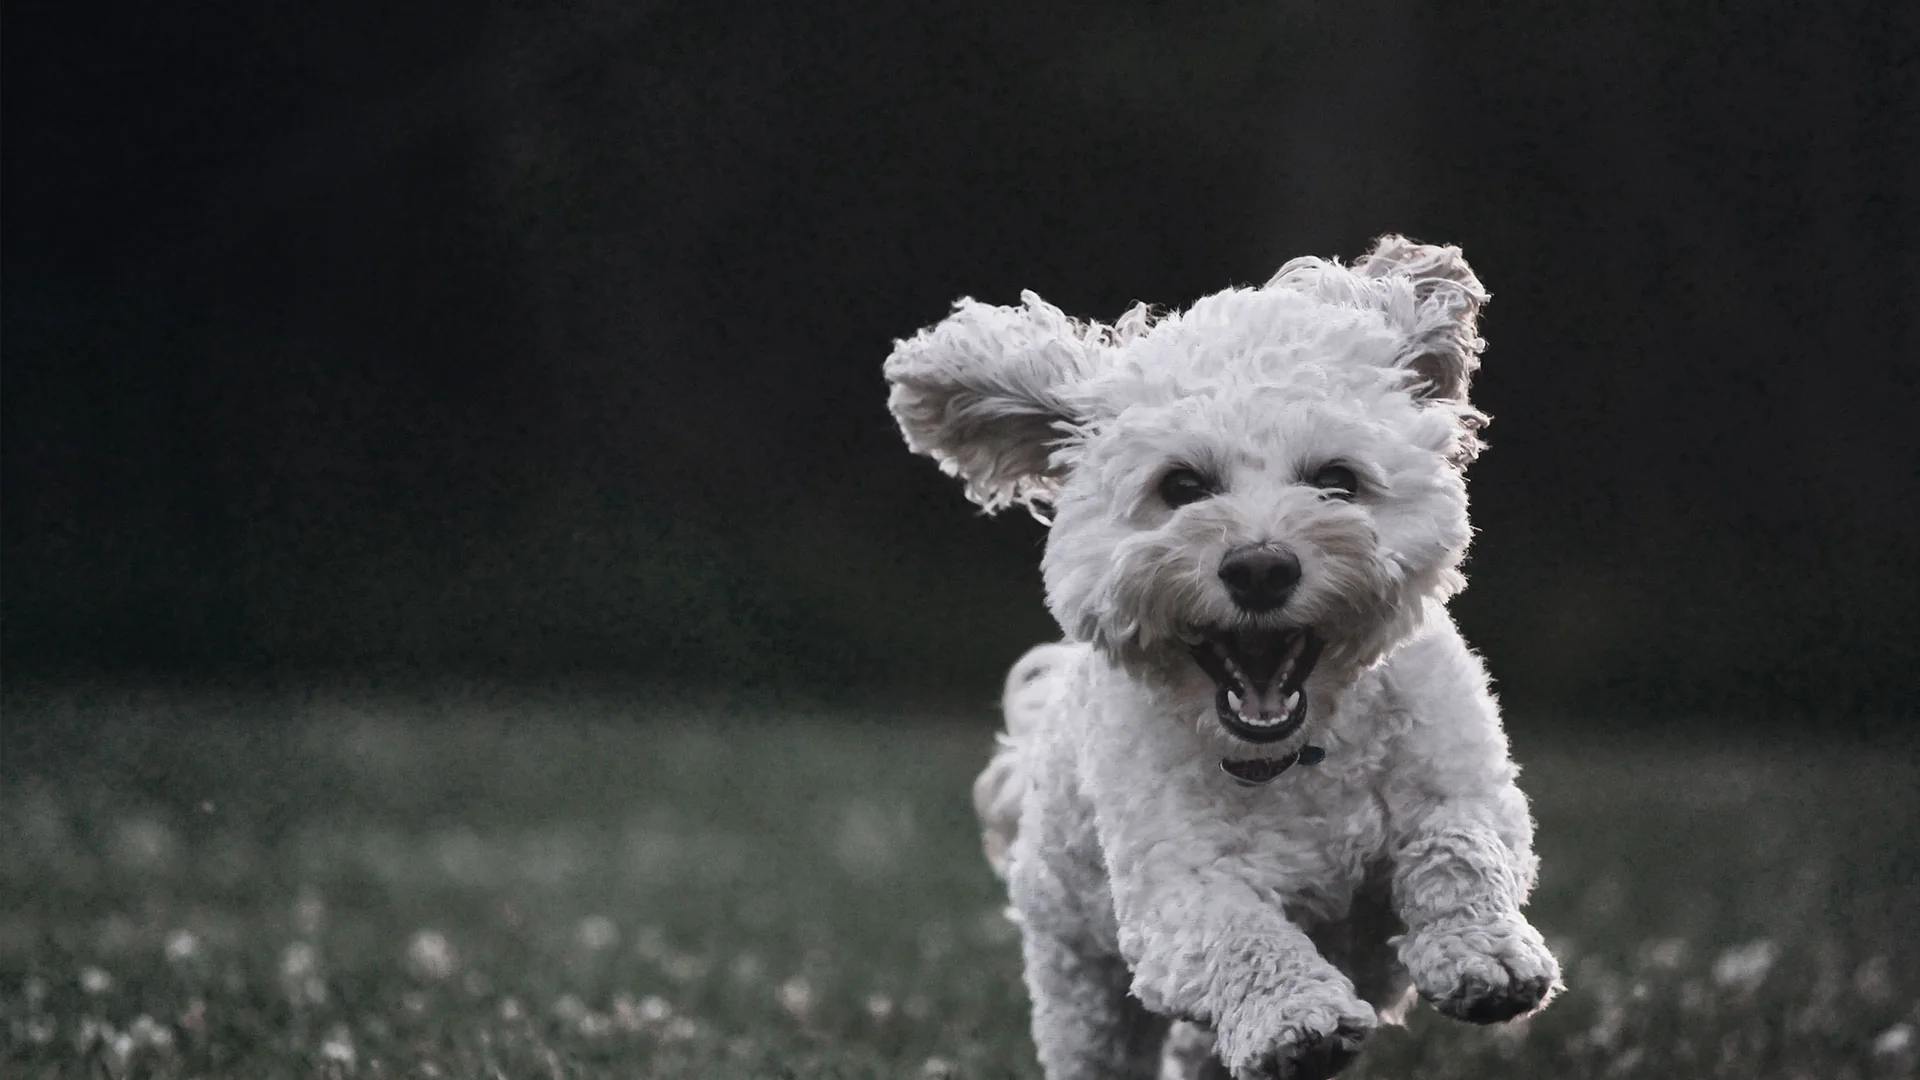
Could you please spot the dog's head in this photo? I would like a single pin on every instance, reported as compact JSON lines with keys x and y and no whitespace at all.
{"x":1253,"y":500}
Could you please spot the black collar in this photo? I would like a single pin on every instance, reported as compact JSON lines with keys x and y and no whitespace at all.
{"x":1256,"y":771}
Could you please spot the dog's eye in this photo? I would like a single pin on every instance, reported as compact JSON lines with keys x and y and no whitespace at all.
{"x":1183,"y":486}
{"x":1337,"y":481}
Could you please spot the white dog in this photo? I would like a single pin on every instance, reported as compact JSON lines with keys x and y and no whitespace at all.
{"x":1263,"y":788}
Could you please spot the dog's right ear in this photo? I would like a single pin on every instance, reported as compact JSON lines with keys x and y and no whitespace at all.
{"x":1445,"y":348}
{"x":982,"y":393}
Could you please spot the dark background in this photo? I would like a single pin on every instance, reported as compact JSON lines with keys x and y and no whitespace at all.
{"x":534,"y":341}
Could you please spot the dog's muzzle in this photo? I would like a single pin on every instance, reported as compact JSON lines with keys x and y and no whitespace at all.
{"x":1258,"y":676}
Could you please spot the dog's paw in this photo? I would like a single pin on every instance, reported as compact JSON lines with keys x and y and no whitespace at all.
{"x":1482,"y":972}
{"x":1307,"y":1035}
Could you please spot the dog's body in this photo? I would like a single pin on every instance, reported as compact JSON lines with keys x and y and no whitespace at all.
{"x":1264,"y":789}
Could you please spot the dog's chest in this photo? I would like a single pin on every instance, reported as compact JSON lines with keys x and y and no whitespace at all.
{"x":1307,"y":839}
{"x":1311,"y":835}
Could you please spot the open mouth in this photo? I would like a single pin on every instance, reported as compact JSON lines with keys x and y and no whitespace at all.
{"x":1259,"y":675}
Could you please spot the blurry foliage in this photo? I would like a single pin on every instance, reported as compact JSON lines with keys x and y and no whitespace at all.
{"x":470,"y":882}
{"x":529,"y":337}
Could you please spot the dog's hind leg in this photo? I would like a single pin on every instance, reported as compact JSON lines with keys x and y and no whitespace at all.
{"x":1086,"y":1022}
{"x":1001,"y":788}
{"x":1087,"y":1025}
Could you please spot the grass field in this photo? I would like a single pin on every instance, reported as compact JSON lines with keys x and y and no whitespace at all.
{"x":515,"y":885}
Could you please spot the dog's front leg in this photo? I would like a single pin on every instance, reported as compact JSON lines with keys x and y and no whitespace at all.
{"x":1202,"y":927}
{"x":1470,"y":952}
{"x":1462,"y":843}
{"x":1205,"y":946}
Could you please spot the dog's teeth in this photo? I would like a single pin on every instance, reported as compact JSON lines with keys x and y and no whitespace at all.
{"x":1233,"y":700}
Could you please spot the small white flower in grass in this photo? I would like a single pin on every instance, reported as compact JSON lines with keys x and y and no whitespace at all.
{"x":430,"y":956}
{"x":149,"y":1033}
{"x":938,"y":1068}
{"x":299,"y":960}
{"x":143,"y":844}
{"x":796,"y":997}
{"x":879,"y":1007}
{"x":680,"y":1029}
{"x":510,"y":1009}
{"x":626,"y":1015}
{"x":597,"y":932}
{"x":40,"y":1030}
{"x":1873,"y":981}
{"x":1627,"y":1062}
{"x":95,"y":980}
{"x":194,"y":1019}
{"x":1894,"y":1042}
{"x":182,"y":946}
{"x":414,"y":1002}
{"x":118,"y":1048}
{"x":1607,"y":1026}
{"x":655,"y":1009}
{"x":1664,"y":954}
{"x":337,"y":1048}
{"x":89,"y":1032}
{"x":300,"y":976}
{"x":1743,"y":968}
{"x":595,"y":1025}
{"x":309,"y":913}
{"x":570,"y":1008}
{"x":748,"y":968}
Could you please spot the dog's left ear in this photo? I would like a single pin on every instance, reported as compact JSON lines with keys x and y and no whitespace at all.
{"x":984,"y":393}
{"x":1444,"y":345}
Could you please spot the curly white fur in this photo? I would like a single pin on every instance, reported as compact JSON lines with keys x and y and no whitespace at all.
{"x":1285,"y":921}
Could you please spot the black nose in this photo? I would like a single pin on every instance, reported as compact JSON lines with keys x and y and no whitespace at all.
{"x":1260,"y":578}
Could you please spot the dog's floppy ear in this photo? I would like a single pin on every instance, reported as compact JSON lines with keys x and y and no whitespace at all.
{"x":982,"y":394}
{"x":1445,"y":340}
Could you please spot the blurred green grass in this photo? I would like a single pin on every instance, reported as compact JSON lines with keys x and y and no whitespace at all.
{"x":473,"y":882}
